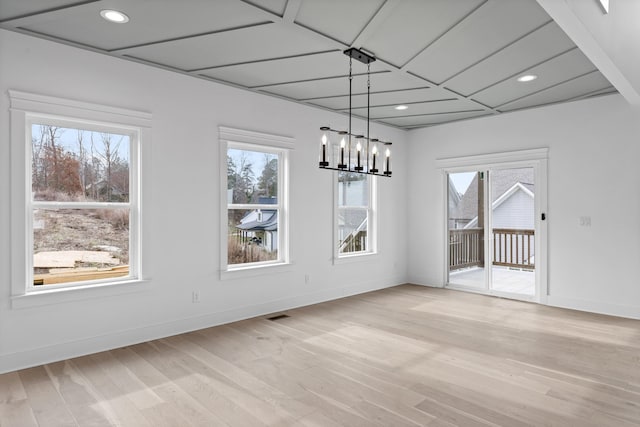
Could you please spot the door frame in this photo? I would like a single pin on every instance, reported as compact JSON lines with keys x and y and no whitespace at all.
{"x":536,"y":158}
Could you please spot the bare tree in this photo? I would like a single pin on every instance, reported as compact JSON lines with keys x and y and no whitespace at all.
{"x":37,"y":154}
{"x":52,"y":155}
{"x":106,"y":161}
{"x":82,"y":159}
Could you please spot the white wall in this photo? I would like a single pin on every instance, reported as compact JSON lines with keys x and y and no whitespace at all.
{"x":181,"y":217}
{"x":593,"y":171}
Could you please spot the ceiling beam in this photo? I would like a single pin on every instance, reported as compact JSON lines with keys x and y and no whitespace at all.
{"x":583,"y":36}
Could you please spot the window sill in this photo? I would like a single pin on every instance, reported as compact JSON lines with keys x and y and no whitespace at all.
{"x":62,"y":295}
{"x":348,"y":259}
{"x":258,"y":270}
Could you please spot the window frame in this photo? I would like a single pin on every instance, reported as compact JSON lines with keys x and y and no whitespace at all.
{"x":28,"y":109}
{"x":265,"y":143}
{"x":372,"y":221}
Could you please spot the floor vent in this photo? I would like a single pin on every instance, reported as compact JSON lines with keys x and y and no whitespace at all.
{"x":278,"y":317}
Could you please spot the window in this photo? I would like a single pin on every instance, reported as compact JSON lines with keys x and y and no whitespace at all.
{"x":80,"y":202}
{"x":355,"y":221}
{"x":255,"y":200}
{"x":76,"y":218}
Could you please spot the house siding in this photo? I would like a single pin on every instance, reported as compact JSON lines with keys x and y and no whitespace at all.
{"x":515,"y":212}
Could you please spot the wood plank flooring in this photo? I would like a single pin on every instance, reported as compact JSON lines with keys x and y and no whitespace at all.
{"x":405,"y":356}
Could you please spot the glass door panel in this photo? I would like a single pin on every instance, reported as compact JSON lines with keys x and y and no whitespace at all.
{"x":512,"y":236}
{"x":465,"y":223}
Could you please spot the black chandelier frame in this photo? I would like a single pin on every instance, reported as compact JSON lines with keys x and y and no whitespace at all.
{"x":367,"y":59}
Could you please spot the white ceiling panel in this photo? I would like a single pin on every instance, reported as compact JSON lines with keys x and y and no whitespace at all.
{"x":468,"y":51}
{"x":537,"y":47}
{"x":414,"y":25}
{"x":341,"y":20}
{"x":340,"y":86}
{"x":384,"y":98}
{"x":432,"y":107}
{"x":490,"y":28}
{"x":318,"y":66}
{"x":230,"y":47}
{"x":15,"y":9}
{"x":428,"y":120}
{"x":562,"y":68}
{"x":146,"y":25}
{"x":563,"y":92}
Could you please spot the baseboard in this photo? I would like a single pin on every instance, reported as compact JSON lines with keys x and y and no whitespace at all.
{"x":67,"y":350}
{"x":423,"y":282}
{"x":629,"y":311}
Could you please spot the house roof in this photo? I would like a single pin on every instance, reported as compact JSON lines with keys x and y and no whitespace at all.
{"x":269,"y":222}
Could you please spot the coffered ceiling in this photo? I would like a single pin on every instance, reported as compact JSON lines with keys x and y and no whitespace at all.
{"x":446,"y":60}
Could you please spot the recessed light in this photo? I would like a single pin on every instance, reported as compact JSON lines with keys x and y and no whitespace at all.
{"x":527,"y":78}
{"x":401,"y":107}
{"x":114,"y":16}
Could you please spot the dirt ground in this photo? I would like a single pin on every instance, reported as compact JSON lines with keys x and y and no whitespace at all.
{"x":82,"y":230}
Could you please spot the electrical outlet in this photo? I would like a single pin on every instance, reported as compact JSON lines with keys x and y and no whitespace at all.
{"x":195,"y":297}
{"x":585,"y":221}
{"x":306,"y":279}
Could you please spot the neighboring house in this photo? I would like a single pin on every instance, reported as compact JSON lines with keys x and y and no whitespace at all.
{"x":454,"y":199}
{"x":513,"y":209}
{"x":260,"y":226}
{"x":512,"y":201}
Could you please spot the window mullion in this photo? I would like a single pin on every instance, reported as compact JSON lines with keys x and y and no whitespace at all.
{"x":79,"y":205}
{"x":253,"y":206}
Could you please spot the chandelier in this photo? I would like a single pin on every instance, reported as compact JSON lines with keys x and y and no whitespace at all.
{"x":345,"y":151}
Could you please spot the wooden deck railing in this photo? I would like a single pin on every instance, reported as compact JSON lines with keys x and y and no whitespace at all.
{"x":511,"y":248}
{"x":466,"y":248}
{"x":514,"y":247}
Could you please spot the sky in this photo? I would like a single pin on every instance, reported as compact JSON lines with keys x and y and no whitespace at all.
{"x":68,"y":138}
{"x":462,"y":180}
{"x":256,"y":158}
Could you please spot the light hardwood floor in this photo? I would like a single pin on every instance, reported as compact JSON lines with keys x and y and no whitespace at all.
{"x":405,"y":356}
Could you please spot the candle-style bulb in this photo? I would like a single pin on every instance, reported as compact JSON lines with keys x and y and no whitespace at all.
{"x":375,"y":150}
{"x":359,"y":147}
{"x":342,"y":165}
{"x":324,"y":139}
{"x":387,"y":171}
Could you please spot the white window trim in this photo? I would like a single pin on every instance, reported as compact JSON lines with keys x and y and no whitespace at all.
{"x":24,"y":108}
{"x":372,"y":224}
{"x":251,"y":140}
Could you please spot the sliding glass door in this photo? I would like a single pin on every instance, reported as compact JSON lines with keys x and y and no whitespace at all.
{"x":491,"y":230}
